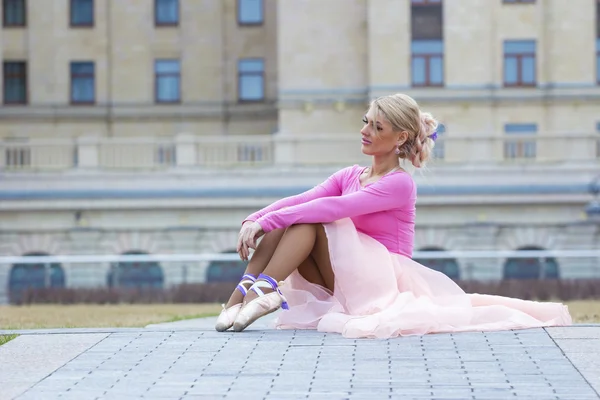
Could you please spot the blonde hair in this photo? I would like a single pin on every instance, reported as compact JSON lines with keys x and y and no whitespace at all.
{"x":404,"y":114}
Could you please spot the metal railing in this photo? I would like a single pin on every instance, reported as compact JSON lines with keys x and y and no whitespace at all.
{"x":264,"y":150}
{"x":98,"y":271}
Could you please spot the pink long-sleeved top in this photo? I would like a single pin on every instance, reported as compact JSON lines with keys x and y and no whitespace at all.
{"x":384,"y":210}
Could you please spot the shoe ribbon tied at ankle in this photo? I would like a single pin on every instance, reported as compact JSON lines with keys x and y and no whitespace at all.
{"x":274,"y":286}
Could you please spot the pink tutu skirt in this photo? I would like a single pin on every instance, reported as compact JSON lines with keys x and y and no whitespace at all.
{"x":379,"y":294}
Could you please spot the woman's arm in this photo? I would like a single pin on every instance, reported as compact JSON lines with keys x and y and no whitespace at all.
{"x":390,"y":192}
{"x":330,"y":187}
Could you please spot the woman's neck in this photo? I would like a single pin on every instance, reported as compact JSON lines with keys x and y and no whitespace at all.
{"x":382,"y":166}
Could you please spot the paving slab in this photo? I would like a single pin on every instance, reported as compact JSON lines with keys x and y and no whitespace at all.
{"x":27,"y":360}
{"x":581,"y":345}
{"x":189,"y":360}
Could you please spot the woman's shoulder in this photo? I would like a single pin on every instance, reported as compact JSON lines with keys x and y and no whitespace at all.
{"x":349,"y":171}
{"x":399,"y":180}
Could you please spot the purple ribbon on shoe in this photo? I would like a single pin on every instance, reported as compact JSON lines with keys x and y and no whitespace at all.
{"x":275,"y":287}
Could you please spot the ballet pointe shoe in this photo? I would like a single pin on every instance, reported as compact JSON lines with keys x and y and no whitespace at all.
{"x":228,"y":315}
{"x":263,"y":305}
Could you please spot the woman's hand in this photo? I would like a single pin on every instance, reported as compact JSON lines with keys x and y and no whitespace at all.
{"x":247,"y":238}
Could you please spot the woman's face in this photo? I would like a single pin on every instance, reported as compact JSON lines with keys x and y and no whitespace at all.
{"x":379,"y":139}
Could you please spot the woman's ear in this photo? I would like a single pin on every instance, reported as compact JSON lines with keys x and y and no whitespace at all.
{"x":402,"y":138}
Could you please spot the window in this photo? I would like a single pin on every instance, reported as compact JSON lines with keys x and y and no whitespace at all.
{"x":427,"y":63}
{"x":15,"y":82}
{"x":166,"y":12}
{"x":598,"y":141}
{"x":225,"y":271}
{"x":447,"y":266}
{"x":531,"y":268}
{"x":427,"y":47}
{"x":516,"y":147}
{"x":518,"y":1}
{"x":426,"y":21}
{"x":598,"y":61}
{"x":439,"y":151}
{"x":519,"y":63}
{"x":13,"y":13}
{"x":167,"y":81}
{"x":82,"y":12}
{"x":83,"y":83}
{"x":31,"y":277}
{"x":136,"y":274}
{"x":250,"y":12}
{"x":251,"y":79}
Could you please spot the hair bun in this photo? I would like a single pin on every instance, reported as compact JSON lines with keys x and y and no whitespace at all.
{"x":428,"y":123}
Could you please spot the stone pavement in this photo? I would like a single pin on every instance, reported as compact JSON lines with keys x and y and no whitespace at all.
{"x":189,"y":360}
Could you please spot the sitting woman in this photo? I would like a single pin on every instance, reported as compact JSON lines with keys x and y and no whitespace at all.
{"x":344,"y":248}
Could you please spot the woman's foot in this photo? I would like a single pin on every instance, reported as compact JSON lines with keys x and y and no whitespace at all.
{"x":231,"y":310}
{"x":258,"y":303}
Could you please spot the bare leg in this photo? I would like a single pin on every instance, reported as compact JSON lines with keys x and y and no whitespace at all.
{"x":263,"y":253}
{"x":302,"y":247}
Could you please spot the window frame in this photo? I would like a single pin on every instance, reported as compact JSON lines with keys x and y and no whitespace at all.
{"x":426,"y":2}
{"x":427,"y":56}
{"x":24,"y":76}
{"x":5,"y":22}
{"x":160,"y":24}
{"x":73,"y":76}
{"x":523,"y":135}
{"x":518,"y":1}
{"x":82,"y":25}
{"x":158,"y":75}
{"x":519,"y":60}
{"x":598,"y":57}
{"x":241,"y":74}
{"x":238,"y":8}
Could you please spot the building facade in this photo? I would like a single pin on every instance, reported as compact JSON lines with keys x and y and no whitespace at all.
{"x":156,"y":126}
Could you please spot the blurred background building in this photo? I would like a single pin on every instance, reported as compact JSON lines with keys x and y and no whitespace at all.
{"x":156,"y":126}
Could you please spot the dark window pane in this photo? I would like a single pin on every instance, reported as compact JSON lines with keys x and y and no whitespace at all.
{"x":168,"y":81}
{"x":418,"y":71}
{"x":82,"y":68}
{"x":447,"y":266}
{"x":598,"y":19}
{"x":15,"y":82}
{"x":531,"y":268}
{"x":436,"y":70}
{"x":519,"y":46}
{"x":139,"y":275}
{"x":250,"y":11}
{"x":13,"y":12}
{"x":427,"y":47}
{"x":82,"y":12}
{"x":427,"y":21}
{"x":510,"y":70}
{"x":598,"y":54}
{"x":251,"y":79}
{"x":34,"y":276}
{"x":225,"y":271}
{"x":528,"y":70}
{"x":82,"y":82}
{"x":520,"y":128}
{"x":167,"y":12}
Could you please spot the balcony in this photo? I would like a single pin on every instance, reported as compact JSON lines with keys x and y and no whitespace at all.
{"x":189,"y":151}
